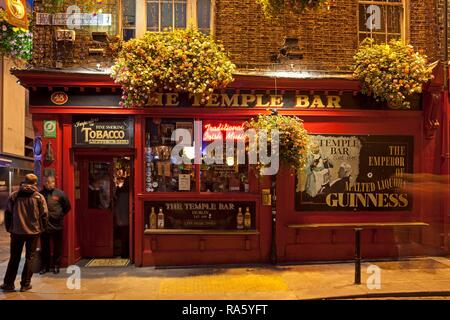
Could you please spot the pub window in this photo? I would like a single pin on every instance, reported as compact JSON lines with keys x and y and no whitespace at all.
{"x":382,"y":20}
{"x":105,"y":19}
{"x":227,"y":174}
{"x":128,"y":19}
{"x":162,"y":174}
{"x":139,"y":16}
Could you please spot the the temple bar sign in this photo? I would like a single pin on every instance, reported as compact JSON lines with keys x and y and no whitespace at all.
{"x":246,"y":100}
{"x":102,"y":132}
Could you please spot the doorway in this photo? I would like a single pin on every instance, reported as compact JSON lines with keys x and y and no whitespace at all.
{"x":105,"y":206}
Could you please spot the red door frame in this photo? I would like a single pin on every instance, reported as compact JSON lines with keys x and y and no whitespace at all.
{"x":99,"y":153}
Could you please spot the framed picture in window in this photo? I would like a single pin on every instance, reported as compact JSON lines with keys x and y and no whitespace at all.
{"x":166,"y":132}
{"x":188,"y":125}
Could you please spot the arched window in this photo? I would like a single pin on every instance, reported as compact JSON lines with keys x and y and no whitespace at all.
{"x":382,"y":20}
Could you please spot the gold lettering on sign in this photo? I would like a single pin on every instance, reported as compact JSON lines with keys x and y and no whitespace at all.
{"x":213,"y":102}
{"x":276,"y":100}
{"x":334,"y":102}
{"x":317,"y":102}
{"x":230,"y":102}
{"x":301,"y":101}
{"x":259,"y":101}
{"x":247,"y":99}
{"x":172,"y":99}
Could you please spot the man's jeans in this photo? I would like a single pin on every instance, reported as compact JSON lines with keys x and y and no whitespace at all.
{"x":17,"y":243}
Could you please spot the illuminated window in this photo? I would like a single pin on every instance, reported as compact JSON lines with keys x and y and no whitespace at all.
{"x":382,"y":20}
{"x":139,"y":16}
{"x":229,"y":173}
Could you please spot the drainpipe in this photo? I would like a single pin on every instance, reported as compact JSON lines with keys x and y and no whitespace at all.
{"x":446,"y":133}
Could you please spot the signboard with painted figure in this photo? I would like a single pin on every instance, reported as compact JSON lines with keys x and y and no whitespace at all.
{"x":103,"y":132}
{"x":16,"y":11}
{"x":355,"y":173}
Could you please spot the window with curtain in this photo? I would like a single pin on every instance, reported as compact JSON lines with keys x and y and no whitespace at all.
{"x":381,"y":20}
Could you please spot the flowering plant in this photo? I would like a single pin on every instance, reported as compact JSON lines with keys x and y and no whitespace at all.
{"x":15,"y":42}
{"x":271,"y":8}
{"x":183,"y":60}
{"x":390,"y":72}
{"x":293,"y":137}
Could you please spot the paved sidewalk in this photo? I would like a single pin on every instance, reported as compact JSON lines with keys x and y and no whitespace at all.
{"x":424,"y":275}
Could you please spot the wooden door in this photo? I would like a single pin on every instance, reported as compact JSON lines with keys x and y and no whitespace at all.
{"x":96,"y":185}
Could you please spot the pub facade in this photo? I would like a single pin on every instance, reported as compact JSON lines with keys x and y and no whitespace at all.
{"x":132,"y":199}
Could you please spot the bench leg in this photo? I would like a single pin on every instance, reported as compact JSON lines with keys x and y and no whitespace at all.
{"x":358,"y":256}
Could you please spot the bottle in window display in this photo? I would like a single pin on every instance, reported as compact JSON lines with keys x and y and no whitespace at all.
{"x":160,"y":219}
{"x":240,"y":220}
{"x":247,"y":219}
{"x":153,"y":222}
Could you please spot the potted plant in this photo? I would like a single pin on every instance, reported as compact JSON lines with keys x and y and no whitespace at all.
{"x":390,"y":72}
{"x":15,"y":43}
{"x":293,"y":137}
{"x":183,"y":60}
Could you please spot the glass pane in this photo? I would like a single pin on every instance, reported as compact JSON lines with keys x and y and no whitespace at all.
{"x":128,"y":13}
{"x":166,"y":14}
{"x":180,"y":14}
{"x":203,"y":14}
{"x":99,"y":191}
{"x":227,"y":174}
{"x":128,"y":34}
{"x":152,"y":16}
{"x":379,"y":20}
{"x":394,"y":19}
{"x":161,"y":172}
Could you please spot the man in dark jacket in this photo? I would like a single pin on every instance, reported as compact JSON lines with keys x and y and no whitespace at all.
{"x":26,"y":217}
{"x":58,"y":206}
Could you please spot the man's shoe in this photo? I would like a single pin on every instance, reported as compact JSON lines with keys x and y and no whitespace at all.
{"x":44,"y":271}
{"x":26,"y":288}
{"x":56,"y":270}
{"x":7,"y":288}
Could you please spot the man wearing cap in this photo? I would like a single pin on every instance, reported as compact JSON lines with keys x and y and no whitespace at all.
{"x":26,"y":217}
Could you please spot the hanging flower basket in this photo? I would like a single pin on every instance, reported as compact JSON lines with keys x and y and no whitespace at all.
{"x":15,"y":43}
{"x":272,"y":8}
{"x":391,"y":72}
{"x":293,"y":137}
{"x":184,"y":60}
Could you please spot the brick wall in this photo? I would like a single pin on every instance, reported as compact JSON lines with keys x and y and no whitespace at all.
{"x":328,"y":39}
{"x":47,"y":52}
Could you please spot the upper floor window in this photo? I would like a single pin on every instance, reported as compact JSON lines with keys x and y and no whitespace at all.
{"x":139,"y":16}
{"x":382,"y":20}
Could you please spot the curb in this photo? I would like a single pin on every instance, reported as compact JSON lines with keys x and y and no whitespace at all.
{"x":411,"y":294}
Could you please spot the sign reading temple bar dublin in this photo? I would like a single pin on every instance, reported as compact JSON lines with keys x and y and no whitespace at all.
{"x":204,"y":215}
{"x":356,"y":173}
{"x":102,"y":132}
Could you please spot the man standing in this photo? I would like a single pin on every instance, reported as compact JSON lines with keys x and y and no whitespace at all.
{"x":58,"y":206}
{"x":26,"y":217}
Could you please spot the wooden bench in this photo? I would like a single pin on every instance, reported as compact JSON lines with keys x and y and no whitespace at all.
{"x":358,"y":227}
